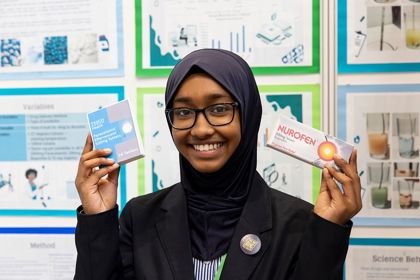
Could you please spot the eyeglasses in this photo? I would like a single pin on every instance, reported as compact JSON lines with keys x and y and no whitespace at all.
{"x":217,"y":115}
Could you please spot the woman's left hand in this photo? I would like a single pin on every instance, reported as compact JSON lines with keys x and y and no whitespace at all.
{"x":333,"y":204}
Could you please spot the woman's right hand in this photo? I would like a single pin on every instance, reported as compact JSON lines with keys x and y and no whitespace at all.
{"x":97,"y":193}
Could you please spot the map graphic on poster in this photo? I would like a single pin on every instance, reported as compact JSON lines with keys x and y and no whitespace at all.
{"x":384,"y":35}
{"x":40,"y":39}
{"x":160,"y":168}
{"x":383,"y":123}
{"x":42,"y":134}
{"x":264,"y":33}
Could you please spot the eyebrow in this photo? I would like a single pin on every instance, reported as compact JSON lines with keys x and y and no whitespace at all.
{"x":210,"y":97}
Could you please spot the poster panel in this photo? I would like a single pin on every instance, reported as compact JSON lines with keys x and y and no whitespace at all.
{"x":42,"y":134}
{"x":160,"y":168}
{"x":274,"y":37}
{"x":60,"y":39}
{"x":374,"y":258}
{"x":378,"y":36}
{"x":382,"y":121}
{"x":37,"y":253}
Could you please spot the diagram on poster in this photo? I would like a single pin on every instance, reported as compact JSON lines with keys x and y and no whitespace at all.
{"x":265,"y":34}
{"x":161,"y":166}
{"x":384,"y":127}
{"x":57,"y":37}
{"x":280,"y":171}
{"x":379,"y":32}
{"x":42,"y":137}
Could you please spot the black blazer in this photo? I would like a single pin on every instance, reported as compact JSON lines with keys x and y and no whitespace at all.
{"x":152,"y":240}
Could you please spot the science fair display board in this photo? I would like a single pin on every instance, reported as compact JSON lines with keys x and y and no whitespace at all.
{"x":60,"y":39}
{"x":37,"y":253}
{"x":274,"y":37}
{"x":378,"y":36}
{"x":382,"y":121}
{"x":42,"y":134}
{"x":375,"y":258}
{"x":160,"y":168}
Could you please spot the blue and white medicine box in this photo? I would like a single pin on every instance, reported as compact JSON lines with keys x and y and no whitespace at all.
{"x":114,"y":127}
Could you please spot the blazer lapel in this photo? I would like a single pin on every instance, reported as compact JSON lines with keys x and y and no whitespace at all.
{"x":174,"y":234}
{"x":256,"y":219}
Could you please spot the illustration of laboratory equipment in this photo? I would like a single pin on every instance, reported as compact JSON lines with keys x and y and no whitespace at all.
{"x":270,"y":174}
{"x":274,"y":31}
{"x":4,"y":182}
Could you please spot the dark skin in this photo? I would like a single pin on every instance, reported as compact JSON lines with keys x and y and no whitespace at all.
{"x":99,"y":193}
{"x":332,"y":204}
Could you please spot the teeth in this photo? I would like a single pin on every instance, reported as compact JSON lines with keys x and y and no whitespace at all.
{"x":208,"y":147}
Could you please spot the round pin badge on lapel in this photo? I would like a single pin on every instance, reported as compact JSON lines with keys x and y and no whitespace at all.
{"x":250,"y":244}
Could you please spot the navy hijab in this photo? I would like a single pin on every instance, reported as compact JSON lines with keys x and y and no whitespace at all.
{"x":215,"y":200}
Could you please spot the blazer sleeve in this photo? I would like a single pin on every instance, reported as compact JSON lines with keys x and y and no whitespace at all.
{"x":323,"y":250}
{"x":97,"y":244}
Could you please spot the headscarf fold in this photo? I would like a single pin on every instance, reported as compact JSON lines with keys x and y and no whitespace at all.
{"x":215,"y":200}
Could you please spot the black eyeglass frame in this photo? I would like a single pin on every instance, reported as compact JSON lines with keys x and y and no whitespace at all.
{"x":203,"y":110}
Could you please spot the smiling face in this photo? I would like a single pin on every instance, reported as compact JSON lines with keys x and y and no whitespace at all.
{"x":206,"y":147}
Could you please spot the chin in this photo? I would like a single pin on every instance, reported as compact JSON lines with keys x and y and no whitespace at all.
{"x":206,"y":168}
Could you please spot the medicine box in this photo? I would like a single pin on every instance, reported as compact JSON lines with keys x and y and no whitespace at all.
{"x":114,"y":127}
{"x":306,"y":143}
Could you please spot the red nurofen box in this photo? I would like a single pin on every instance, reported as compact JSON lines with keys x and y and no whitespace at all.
{"x":306,"y":143}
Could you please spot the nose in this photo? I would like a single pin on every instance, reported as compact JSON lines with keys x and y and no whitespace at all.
{"x":202,"y":128}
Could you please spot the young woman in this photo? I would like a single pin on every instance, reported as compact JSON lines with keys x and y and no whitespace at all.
{"x":221,"y":220}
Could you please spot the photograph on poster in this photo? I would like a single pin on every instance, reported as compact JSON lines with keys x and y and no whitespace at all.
{"x":382,"y":122}
{"x":374,"y":258}
{"x":381,"y":34}
{"x":266,"y":34}
{"x":37,"y":253}
{"x":60,"y":39}
{"x":43,"y":131}
{"x":160,"y":168}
